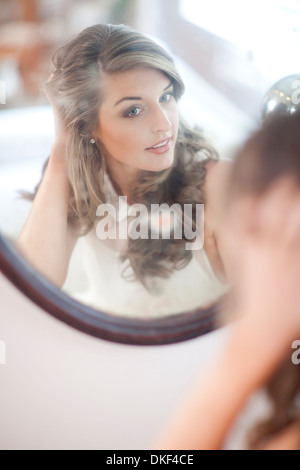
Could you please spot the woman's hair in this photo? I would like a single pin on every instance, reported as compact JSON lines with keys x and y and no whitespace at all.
{"x":76,"y":87}
{"x":283,"y":391}
{"x":270,"y":153}
{"x":273,"y":151}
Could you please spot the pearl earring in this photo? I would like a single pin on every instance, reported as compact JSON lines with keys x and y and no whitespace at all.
{"x":93,"y":141}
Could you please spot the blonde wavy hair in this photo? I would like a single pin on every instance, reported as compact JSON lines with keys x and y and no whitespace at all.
{"x":76,"y":86}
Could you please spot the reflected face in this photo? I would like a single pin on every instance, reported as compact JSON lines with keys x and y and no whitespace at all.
{"x":138,"y":120}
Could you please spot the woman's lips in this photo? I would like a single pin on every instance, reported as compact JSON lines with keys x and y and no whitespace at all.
{"x":161,"y":147}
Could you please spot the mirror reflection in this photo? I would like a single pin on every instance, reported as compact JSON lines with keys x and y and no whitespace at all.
{"x":114,"y":159}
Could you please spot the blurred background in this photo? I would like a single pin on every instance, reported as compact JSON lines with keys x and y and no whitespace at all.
{"x":30,"y":31}
{"x":241,"y":48}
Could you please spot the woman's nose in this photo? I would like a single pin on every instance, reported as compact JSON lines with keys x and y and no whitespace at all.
{"x":161,"y":121}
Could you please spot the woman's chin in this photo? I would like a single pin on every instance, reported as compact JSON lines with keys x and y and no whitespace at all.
{"x":163,"y":162}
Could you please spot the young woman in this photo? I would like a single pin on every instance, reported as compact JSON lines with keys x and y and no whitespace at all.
{"x":115,"y":97}
{"x":264,"y":220}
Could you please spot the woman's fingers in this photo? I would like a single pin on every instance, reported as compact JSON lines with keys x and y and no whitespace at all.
{"x":60,"y":127}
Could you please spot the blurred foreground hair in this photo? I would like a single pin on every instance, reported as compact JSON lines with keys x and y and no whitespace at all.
{"x":271,"y":153}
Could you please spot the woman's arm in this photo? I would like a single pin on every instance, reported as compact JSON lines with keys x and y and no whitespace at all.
{"x":215,"y":188}
{"x":204,"y":419}
{"x":47,"y":240}
{"x":268,"y":308}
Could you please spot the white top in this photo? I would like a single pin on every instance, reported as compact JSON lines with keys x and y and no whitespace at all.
{"x":95,"y":278}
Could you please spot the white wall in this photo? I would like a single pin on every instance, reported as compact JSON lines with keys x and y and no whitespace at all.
{"x":62,"y":389}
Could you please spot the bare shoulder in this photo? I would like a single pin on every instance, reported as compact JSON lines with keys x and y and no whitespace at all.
{"x":215,"y":185}
{"x":217,"y":177}
{"x":215,"y":188}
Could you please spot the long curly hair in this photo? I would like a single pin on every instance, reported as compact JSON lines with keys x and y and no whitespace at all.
{"x":76,"y":86}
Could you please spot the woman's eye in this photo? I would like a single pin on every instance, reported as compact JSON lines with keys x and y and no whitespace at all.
{"x":165,"y":98}
{"x":134,"y":111}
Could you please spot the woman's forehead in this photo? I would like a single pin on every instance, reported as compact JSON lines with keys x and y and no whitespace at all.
{"x":135,"y":82}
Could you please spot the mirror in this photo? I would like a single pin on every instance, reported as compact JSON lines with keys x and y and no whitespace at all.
{"x":29,"y":132}
{"x":101,"y":301}
{"x":283,"y":97}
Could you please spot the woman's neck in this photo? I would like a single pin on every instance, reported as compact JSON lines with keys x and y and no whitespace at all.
{"x":123,"y":177}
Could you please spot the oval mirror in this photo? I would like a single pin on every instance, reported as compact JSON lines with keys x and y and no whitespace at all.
{"x":223,"y":100}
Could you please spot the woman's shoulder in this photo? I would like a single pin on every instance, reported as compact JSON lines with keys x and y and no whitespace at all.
{"x":217,"y":172}
{"x":215,"y":184}
{"x":215,"y":188}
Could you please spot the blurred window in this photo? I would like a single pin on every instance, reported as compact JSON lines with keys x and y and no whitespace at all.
{"x":240,"y":47}
{"x":253,"y":26}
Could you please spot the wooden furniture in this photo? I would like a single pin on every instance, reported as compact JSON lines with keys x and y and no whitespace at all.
{"x":29,"y":39}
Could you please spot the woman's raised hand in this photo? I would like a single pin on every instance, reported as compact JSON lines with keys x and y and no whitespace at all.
{"x":61,"y":133}
{"x":49,"y":250}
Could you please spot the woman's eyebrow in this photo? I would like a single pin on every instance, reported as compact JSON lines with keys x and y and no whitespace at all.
{"x":130,"y":98}
{"x":136,"y":98}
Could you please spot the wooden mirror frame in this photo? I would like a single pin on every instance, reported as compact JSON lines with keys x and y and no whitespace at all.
{"x":109,"y":327}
